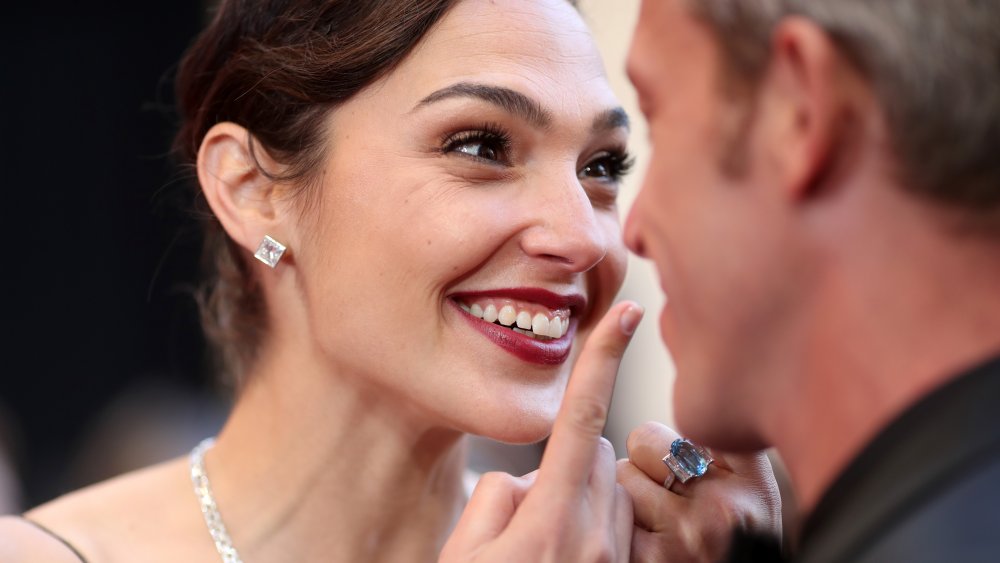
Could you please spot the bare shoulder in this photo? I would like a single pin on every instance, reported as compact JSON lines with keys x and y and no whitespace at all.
{"x":20,"y":541}
{"x":136,"y":512}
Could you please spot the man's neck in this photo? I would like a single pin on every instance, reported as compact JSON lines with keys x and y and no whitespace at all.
{"x":904,"y":309}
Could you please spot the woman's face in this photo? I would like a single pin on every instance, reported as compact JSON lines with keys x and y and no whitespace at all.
{"x":473,"y":187}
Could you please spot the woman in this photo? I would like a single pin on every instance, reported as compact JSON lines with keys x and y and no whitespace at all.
{"x":429,"y":187}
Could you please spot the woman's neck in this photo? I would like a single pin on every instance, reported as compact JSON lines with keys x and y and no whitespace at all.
{"x":319,"y":467}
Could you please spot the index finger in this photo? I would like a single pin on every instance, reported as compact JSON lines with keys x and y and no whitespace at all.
{"x":569,"y":455}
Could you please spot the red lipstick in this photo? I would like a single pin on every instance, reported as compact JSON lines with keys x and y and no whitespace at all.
{"x":526,"y":348}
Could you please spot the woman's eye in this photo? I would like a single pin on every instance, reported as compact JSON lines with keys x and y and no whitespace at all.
{"x":485,"y":145}
{"x":610,"y":167}
{"x":479,"y":149}
{"x":599,"y":169}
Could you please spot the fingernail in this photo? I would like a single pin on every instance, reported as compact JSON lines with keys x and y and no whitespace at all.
{"x":630,"y":319}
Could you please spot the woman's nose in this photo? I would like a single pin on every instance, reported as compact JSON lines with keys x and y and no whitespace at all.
{"x":566,"y":231}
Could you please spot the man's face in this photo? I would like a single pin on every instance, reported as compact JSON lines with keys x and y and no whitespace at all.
{"x":719,"y":240}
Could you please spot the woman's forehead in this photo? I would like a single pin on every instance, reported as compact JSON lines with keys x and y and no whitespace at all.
{"x":539,"y":47}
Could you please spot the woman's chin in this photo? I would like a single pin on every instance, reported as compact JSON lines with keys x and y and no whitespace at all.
{"x":526,"y":429}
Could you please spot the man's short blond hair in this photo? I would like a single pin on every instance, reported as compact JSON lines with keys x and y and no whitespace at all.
{"x":934,"y":65}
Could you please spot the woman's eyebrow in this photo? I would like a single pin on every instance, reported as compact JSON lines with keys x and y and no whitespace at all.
{"x":509,"y":100}
{"x":613,"y":118}
{"x":521,"y":105}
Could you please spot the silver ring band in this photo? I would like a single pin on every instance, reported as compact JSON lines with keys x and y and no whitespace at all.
{"x":669,"y":481}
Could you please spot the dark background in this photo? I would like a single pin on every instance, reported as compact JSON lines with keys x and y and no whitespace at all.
{"x":100,"y":248}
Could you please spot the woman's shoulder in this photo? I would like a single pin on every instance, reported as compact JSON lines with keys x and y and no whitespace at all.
{"x":22,"y":541}
{"x":113,"y":520}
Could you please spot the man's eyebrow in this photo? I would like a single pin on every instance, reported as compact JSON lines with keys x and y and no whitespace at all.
{"x":509,"y":100}
{"x":613,"y":118}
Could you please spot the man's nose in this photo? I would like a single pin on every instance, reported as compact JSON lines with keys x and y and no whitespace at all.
{"x":633,"y":232}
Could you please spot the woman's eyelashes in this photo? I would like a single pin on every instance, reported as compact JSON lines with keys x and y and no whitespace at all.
{"x":609,"y":166}
{"x":489,"y":144}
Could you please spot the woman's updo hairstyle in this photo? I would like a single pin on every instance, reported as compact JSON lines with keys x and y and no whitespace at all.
{"x":277,"y":67}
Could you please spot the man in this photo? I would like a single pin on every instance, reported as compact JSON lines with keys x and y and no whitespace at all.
{"x":823,"y":208}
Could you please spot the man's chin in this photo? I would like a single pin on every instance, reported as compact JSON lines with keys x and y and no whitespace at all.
{"x":704,"y":416}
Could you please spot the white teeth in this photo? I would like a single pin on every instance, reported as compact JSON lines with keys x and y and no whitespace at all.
{"x":507,"y":315}
{"x":520,"y":321}
{"x":526,"y":332}
{"x":490,"y":315}
{"x":524,"y":320}
{"x":539,"y":324}
{"x":555,"y":328}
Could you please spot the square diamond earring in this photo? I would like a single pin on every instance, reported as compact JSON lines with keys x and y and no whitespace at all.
{"x":269,"y":251}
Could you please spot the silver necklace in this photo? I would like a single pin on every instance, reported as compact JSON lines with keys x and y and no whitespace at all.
{"x":203,"y":490}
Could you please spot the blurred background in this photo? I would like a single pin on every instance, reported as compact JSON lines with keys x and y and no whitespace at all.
{"x":103,"y":365}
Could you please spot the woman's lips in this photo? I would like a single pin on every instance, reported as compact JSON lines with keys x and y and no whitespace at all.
{"x":544,"y":351}
{"x":527,"y":348}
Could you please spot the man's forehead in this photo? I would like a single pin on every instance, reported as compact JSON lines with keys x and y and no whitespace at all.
{"x":665,"y":37}
{"x":670,"y":23}
{"x":654,"y":14}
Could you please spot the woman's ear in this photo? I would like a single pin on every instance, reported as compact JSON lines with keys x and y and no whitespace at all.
{"x":242,"y":197}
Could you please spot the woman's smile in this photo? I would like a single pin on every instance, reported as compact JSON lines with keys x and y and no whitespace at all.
{"x":533,"y":324}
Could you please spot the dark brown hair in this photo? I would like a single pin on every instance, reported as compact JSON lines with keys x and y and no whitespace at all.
{"x":277,"y":67}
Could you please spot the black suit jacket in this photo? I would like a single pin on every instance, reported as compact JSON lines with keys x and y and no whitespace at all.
{"x":927,"y":489}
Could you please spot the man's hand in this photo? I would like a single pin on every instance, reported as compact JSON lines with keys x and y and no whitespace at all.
{"x":571,"y":509}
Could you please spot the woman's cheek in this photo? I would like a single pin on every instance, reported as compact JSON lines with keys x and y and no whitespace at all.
{"x":609,"y":275}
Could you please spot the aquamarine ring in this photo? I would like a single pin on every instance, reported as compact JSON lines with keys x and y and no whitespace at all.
{"x":686,"y":460}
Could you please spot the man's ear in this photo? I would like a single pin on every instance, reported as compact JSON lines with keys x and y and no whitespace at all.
{"x":806,"y":100}
{"x":242,"y":197}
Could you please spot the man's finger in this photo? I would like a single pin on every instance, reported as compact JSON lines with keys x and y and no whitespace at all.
{"x":566,"y":464}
